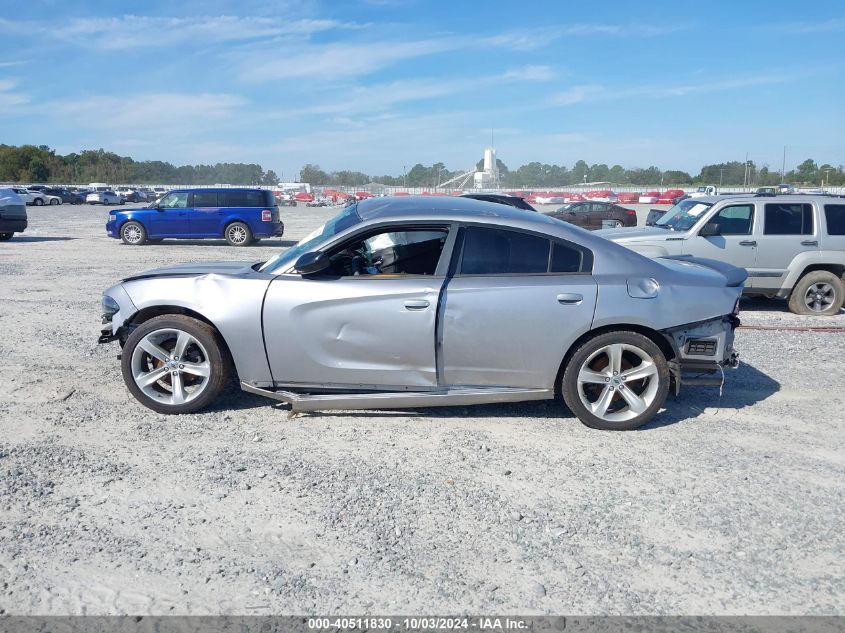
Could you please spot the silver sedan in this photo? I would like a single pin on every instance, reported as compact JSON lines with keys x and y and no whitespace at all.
{"x":422,"y":301}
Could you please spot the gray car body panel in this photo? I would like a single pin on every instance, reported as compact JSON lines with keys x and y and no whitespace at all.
{"x":358,"y":333}
{"x":13,"y":217}
{"x":774,"y":262}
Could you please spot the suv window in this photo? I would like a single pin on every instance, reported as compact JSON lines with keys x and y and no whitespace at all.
{"x":835,"y":216}
{"x":412,"y":252}
{"x":205,"y":198}
{"x":245,"y":199}
{"x":174,"y":201}
{"x":735,"y":220}
{"x":788,"y":219}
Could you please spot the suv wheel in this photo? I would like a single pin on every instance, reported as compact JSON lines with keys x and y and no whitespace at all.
{"x":616,"y":381}
{"x":133,"y":233}
{"x":238,"y":234}
{"x":818,"y":293}
{"x":175,"y":364}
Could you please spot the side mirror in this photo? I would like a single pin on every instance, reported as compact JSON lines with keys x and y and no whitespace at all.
{"x":710,"y":229}
{"x":312,"y":262}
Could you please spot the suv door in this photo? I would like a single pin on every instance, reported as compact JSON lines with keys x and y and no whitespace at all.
{"x":515,"y":305}
{"x":368,"y":322}
{"x":170,"y":218}
{"x":206,"y":214}
{"x":789,"y":229}
{"x":736,"y":243}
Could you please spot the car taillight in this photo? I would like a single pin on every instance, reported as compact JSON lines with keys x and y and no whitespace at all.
{"x":266,"y":215}
{"x":631,"y":212}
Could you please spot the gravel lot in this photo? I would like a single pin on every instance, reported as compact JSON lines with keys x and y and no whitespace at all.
{"x":731,"y":505}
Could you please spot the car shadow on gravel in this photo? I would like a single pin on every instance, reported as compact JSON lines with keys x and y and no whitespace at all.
{"x":265,"y":242}
{"x":744,"y":387}
{"x":38,"y":238}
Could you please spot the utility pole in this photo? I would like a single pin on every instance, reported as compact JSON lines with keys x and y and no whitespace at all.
{"x":721,"y":171}
{"x":783,"y":166}
{"x":403,"y":177}
{"x":745,"y":174}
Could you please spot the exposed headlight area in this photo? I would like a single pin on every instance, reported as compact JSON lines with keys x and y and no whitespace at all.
{"x":110,"y":308}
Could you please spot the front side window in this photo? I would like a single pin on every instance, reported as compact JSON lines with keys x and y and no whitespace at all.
{"x":788,"y":219}
{"x":835,"y":216}
{"x":735,"y":220}
{"x":174,"y":201}
{"x":502,"y":252}
{"x":411,"y":252}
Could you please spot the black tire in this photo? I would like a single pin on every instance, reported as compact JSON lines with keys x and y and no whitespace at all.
{"x":38,"y":202}
{"x":54,"y":201}
{"x":5,"y":237}
{"x":133,"y":233}
{"x":618,"y":415}
{"x":218,"y":360}
{"x":818,"y":293}
{"x":238,"y":234}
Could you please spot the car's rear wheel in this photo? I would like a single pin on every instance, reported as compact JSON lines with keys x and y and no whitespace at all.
{"x":818,"y":293}
{"x":616,"y":381}
{"x":239,"y":234}
{"x":617,"y":224}
{"x":133,"y":233}
{"x":175,"y":364}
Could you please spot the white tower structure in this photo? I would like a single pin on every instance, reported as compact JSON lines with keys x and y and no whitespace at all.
{"x":489,"y":176}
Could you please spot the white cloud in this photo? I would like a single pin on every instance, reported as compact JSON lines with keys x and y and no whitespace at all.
{"x":132,"y":31}
{"x":11,"y":99}
{"x":530,"y":73}
{"x":180,"y":114}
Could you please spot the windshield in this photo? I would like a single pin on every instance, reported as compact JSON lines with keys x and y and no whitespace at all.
{"x":683,"y":215}
{"x":342,"y":221}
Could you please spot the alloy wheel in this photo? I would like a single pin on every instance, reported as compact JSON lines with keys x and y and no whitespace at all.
{"x":237,"y":234}
{"x":618,"y":382}
{"x":170,"y":366}
{"x":132,"y":234}
{"x":819,"y":296}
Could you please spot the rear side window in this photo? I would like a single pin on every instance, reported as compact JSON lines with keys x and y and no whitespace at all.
{"x":499,"y":252}
{"x":205,"y":199}
{"x":243,"y":199}
{"x":788,"y":219}
{"x":835,"y":216}
{"x":566,"y":259}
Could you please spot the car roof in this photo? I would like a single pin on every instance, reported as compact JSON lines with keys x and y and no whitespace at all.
{"x":205,"y":189}
{"x":789,"y":197}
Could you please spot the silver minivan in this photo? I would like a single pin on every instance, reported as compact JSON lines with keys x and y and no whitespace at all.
{"x":792,"y":246}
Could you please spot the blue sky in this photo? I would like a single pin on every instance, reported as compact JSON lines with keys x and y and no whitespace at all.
{"x":375,"y":85}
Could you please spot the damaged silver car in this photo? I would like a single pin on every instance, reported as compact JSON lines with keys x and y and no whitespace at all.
{"x":423,"y":301}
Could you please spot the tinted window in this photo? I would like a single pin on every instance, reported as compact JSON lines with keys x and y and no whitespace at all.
{"x":243,"y":199}
{"x":566,"y":259}
{"x":735,"y":220}
{"x":835,"y":216}
{"x":496,"y":252}
{"x":789,"y":219}
{"x":205,"y":198}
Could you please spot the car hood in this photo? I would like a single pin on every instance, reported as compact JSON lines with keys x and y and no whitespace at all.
{"x":191,"y":270}
{"x":636,"y":234}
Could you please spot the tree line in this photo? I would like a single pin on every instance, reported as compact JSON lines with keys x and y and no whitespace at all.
{"x":31,"y":164}
{"x":535,"y":174}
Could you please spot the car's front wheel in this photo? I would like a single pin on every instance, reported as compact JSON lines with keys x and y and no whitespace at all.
{"x":175,"y":364}
{"x":38,"y":202}
{"x":133,"y":233}
{"x":239,"y":234}
{"x":53,"y":201}
{"x":616,"y":381}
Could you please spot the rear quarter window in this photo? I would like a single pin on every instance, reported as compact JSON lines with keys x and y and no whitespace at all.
{"x":243,"y":199}
{"x":834,"y":214}
{"x":205,"y":199}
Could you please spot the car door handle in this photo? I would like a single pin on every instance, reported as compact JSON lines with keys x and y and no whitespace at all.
{"x":810,"y":243}
{"x":417,"y":304}
{"x":570,"y":298}
{"x":748,"y":243}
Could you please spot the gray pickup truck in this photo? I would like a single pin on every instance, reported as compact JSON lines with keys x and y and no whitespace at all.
{"x":792,"y":246}
{"x":12,"y":214}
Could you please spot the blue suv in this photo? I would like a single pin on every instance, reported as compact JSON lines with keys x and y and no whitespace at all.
{"x":240,"y":215}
